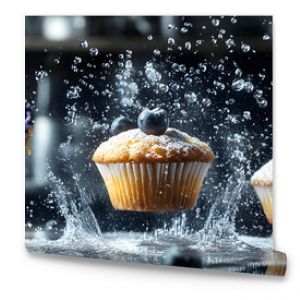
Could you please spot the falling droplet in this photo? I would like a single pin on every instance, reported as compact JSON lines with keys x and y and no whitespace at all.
{"x":257,"y":94}
{"x":94,"y":52}
{"x":84,"y":44}
{"x":73,"y":92}
{"x":202,"y":67}
{"x":171,"y":41}
{"x":184,"y":30}
{"x":230,"y":43}
{"x":248,"y":86}
{"x":215,"y":22}
{"x":245,"y":48}
{"x":206,"y":102}
{"x":182,"y":68}
{"x":266,"y":37}
{"x":40,"y":75}
{"x":188,"y":45}
{"x":247,"y":115}
{"x":150,"y":37}
{"x":190,"y":97}
{"x":77,"y":60}
{"x":175,"y":67}
{"x":233,"y":20}
{"x":237,"y":85}
{"x":156,"y":52}
{"x":262,"y":102}
{"x":163,"y":88}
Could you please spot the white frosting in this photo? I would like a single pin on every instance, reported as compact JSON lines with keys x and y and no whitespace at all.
{"x":264,"y":174}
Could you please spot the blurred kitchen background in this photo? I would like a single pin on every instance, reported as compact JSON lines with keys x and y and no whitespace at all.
{"x":57,"y":58}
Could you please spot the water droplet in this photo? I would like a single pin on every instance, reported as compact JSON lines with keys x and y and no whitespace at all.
{"x":238,"y":72}
{"x":40,"y":75}
{"x":220,"y":85}
{"x":182,"y":68}
{"x":199,"y":42}
{"x":175,"y":67}
{"x":57,"y":60}
{"x":66,"y":81}
{"x":171,"y":41}
{"x":73,"y":92}
{"x":206,"y":102}
{"x":258,"y":94}
{"x":262,"y":76}
{"x":262,"y":102}
{"x":248,"y":86}
{"x":247,"y":115}
{"x":230,"y":43}
{"x":215,"y":22}
{"x":163,"y":88}
{"x":150,"y":37}
{"x":221,"y":68}
{"x":188,"y":24}
{"x":184,"y":30}
{"x":128,"y":54}
{"x":230,"y":101}
{"x":190,"y":97}
{"x":128,"y":64}
{"x":233,"y":20}
{"x":188,"y":45}
{"x":266,"y":37}
{"x":237,"y":85}
{"x":188,"y":80}
{"x":175,"y":87}
{"x":184,"y":113}
{"x":156,"y":52}
{"x":94,"y":52}
{"x":245,"y":48}
{"x":84,"y":44}
{"x":202,"y":67}
{"x":77,"y":60}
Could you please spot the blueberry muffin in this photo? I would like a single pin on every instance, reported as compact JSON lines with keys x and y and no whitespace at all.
{"x":153,"y":167}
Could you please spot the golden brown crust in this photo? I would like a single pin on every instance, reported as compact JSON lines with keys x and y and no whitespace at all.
{"x":260,"y":183}
{"x":264,"y":176}
{"x":135,"y":146}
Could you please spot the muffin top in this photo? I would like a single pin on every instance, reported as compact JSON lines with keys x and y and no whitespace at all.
{"x":136,"y":146}
{"x":264,"y":176}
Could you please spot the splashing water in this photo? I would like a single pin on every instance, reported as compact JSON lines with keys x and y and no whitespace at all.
{"x":82,"y":235}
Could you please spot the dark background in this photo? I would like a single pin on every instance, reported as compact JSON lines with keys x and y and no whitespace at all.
{"x":64,"y":131}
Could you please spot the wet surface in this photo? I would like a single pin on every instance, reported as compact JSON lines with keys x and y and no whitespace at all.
{"x":246,"y":254}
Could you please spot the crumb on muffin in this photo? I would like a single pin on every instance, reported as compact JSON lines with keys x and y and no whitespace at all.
{"x":135,"y":146}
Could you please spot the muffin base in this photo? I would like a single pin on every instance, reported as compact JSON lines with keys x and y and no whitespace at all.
{"x":265,"y":196}
{"x":153,"y":186}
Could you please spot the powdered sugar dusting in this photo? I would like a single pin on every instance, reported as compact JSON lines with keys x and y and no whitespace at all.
{"x":264,"y":176}
{"x":136,"y":145}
